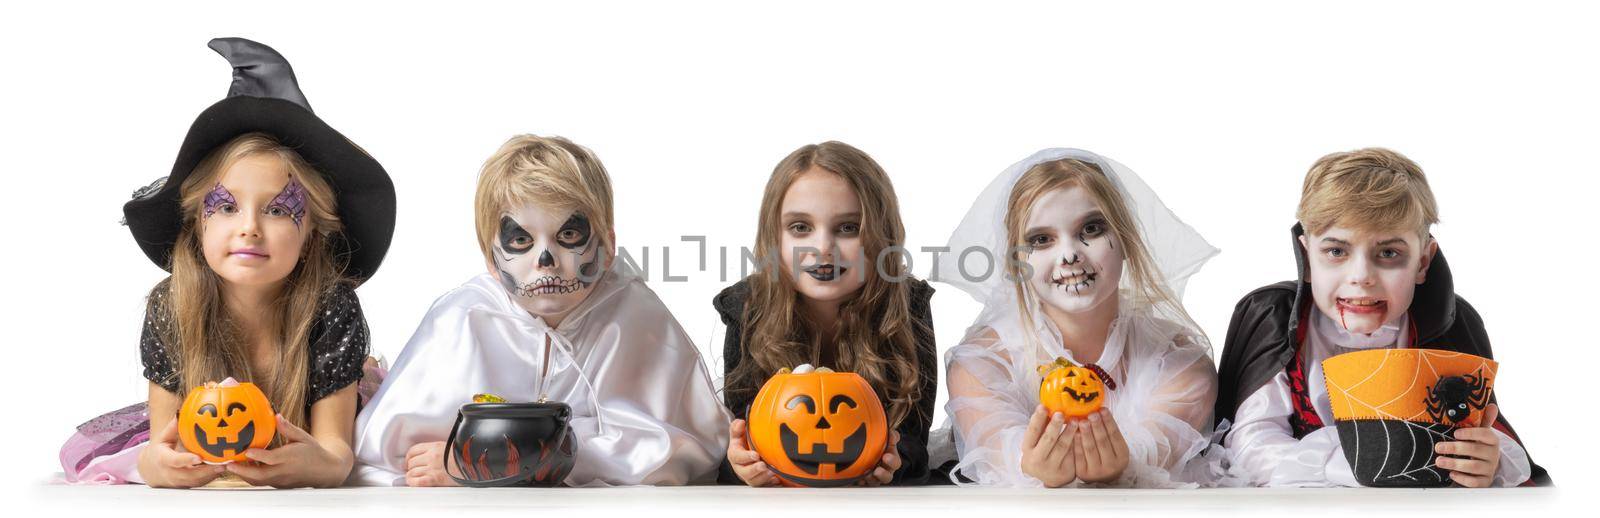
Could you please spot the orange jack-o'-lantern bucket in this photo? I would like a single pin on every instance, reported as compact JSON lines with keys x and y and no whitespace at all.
{"x":219,"y":421}
{"x":818,"y":428}
{"x":1391,"y":406}
{"x":1071,"y":389}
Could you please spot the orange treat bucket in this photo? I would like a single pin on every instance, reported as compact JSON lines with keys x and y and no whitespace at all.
{"x":1391,"y":406}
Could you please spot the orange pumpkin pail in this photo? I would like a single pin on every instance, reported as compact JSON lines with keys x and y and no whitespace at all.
{"x":818,"y":428}
{"x":219,"y":421}
{"x":1072,"y":390}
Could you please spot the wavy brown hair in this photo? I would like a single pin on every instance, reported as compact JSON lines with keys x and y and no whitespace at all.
{"x":208,"y":345}
{"x":875,"y":335}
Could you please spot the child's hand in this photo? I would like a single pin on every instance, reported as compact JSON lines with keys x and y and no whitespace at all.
{"x":299,"y":462}
{"x":1047,"y":448}
{"x":1102,"y":453}
{"x":746,"y":462}
{"x":889,"y":464}
{"x":425,"y":465}
{"x":163,"y":465}
{"x":1479,"y":449}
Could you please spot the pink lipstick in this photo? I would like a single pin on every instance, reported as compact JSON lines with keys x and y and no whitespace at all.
{"x":248,"y":253}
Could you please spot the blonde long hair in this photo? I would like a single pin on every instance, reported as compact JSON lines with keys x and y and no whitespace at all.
{"x":1145,"y":286}
{"x":209,"y":347}
{"x":876,"y":333}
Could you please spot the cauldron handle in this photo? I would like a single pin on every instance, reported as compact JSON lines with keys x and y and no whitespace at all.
{"x":450,"y":448}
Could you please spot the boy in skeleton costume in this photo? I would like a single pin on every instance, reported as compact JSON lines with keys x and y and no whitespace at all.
{"x":1070,"y":276}
{"x":1371,"y":276}
{"x":553,"y":300}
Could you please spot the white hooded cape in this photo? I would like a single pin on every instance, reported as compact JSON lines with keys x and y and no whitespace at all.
{"x":644,"y":410}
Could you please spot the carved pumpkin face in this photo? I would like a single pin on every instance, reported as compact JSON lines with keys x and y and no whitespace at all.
{"x":818,"y":429}
{"x":219,"y":422}
{"x":1070,"y":389}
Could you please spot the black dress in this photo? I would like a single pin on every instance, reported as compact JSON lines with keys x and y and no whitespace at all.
{"x":1262,"y":340}
{"x":337,"y":349}
{"x":913,"y":446}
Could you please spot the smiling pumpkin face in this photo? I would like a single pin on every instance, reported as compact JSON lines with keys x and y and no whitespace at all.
{"x":1072,"y":390}
{"x":818,"y":429}
{"x":219,"y":422}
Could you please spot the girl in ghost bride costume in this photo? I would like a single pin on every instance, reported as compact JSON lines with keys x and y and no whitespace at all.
{"x":644,"y":410}
{"x":1084,"y":263}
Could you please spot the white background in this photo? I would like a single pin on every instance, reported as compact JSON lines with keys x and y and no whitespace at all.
{"x":1221,"y":108}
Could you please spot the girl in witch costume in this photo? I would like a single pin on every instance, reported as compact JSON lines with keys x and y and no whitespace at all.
{"x":553,"y":318}
{"x":832,"y":290}
{"x":1069,"y":275}
{"x":268,"y":221}
{"x":1371,"y":276}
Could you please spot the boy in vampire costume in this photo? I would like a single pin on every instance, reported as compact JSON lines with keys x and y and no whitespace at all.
{"x":1371,"y":277}
{"x":554,"y":318}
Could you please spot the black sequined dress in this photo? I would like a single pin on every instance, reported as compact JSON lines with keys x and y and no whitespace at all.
{"x":105,"y":449}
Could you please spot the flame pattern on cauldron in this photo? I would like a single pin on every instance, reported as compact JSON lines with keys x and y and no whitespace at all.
{"x":480,"y":469}
{"x":486,"y":452}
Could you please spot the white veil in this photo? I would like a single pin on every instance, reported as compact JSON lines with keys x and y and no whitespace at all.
{"x":1160,"y":357}
{"x":1177,"y":249}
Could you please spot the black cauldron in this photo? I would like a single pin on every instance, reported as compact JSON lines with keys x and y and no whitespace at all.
{"x":511,"y":444}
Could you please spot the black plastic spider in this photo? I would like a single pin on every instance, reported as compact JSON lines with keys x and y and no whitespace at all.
{"x":1455,"y":397}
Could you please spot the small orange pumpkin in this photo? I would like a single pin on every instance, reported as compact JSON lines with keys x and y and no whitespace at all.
{"x":1070,"y":389}
{"x":219,"y":421}
{"x":818,"y":428}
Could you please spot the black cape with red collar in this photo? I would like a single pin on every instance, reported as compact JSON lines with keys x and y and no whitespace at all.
{"x":1261,"y":340}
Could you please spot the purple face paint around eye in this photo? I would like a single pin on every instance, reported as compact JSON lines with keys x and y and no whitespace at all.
{"x":215,"y":199}
{"x":292,"y":199}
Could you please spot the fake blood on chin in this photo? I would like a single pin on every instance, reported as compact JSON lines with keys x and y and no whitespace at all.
{"x":1360,"y":307}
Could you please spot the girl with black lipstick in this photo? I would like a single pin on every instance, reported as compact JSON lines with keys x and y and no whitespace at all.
{"x":831,"y":290}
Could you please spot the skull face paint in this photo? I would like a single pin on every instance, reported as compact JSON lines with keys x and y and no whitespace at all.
{"x":1365,"y":280}
{"x":1075,"y":264}
{"x":546,"y":261}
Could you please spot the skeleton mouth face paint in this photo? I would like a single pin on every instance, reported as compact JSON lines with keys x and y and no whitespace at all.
{"x":547,"y":262}
{"x":250,"y":223}
{"x":1073,"y":253}
{"x":1364,"y":281}
{"x":821,"y":238}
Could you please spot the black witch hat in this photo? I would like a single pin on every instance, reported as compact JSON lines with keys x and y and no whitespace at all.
{"x":265,"y":98}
